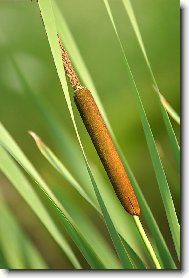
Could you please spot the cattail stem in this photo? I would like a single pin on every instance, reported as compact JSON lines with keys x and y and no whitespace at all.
{"x":147,"y":242}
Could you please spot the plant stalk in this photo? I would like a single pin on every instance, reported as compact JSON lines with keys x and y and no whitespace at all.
{"x":147,"y":242}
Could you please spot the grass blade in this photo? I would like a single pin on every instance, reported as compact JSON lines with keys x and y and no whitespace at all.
{"x":10,"y":169}
{"x":158,"y":168}
{"x":23,"y":254}
{"x":89,"y":228}
{"x":57,"y":164}
{"x":9,"y":233}
{"x":168,"y":107}
{"x":136,"y":260}
{"x":87,"y":80}
{"x":163,"y":106}
{"x":48,"y":18}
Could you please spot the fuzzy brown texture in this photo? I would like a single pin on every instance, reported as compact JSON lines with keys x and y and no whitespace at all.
{"x":105,"y":148}
{"x":69,"y":69}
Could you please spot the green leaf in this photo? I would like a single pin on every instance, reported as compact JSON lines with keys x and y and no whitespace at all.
{"x":158,"y":168}
{"x":10,"y":241}
{"x":91,"y":231}
{"x":3,"y":263}
{"x":168,"y":107}
{"x":136,"y":260}
{"x":8,"y":143}
{"x":13,"y":173}
{"x":18,"y":248}
{"x":163,"y":105}
{"x":58,"y":165}
{"x":49,"y":22}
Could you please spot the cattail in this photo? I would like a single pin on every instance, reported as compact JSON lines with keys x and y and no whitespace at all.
{"x":101,"y":139}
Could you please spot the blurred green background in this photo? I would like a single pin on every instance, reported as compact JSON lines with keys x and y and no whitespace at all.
{"x":23,"y":37}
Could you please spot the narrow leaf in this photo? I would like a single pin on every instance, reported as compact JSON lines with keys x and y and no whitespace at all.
{"x":158,"y":168}
{"x":13,"y":173}
{"x":170,"y":131}
{"x":168,"y":107}
{"x":58,"y":165}
{"x":22,"y":254}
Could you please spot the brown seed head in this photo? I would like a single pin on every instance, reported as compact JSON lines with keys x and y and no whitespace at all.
{"x":106,"y":150}
{"x":69,"y":69}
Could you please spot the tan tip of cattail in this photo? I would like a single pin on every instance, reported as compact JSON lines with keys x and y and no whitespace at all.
{"x":68,"y":67}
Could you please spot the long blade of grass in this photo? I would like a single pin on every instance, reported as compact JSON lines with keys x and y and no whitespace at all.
{"x":49,"y":22}
{"x":168,"y":107}
{"x":33,"y":258}
{"x":136,"y":260}
{"x":158,"y":167}
{"x":10,"y":169}
{"x":9,"y":236}
{"x":58,"y":165}
{"x":163,"y":105}
{"x":78,"y":61}
{"x":22,"y":254}
{"x":8,"y":143}
{"x":89,"y":228}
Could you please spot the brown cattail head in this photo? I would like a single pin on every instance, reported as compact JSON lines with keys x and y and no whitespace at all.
{"x":101,"y":139}
{"x":106,"y":150}
{"x":70,"y":72}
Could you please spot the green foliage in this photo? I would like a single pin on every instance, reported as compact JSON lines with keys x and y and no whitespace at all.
{"x":121,"y":241}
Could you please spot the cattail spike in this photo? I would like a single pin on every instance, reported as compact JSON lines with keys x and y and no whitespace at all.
{"x":68,"y":67}
{"x":101,"y":139}
{"x":106,"y":150}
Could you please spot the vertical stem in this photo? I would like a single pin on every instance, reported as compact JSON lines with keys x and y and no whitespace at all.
{"x":147,"y":242}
